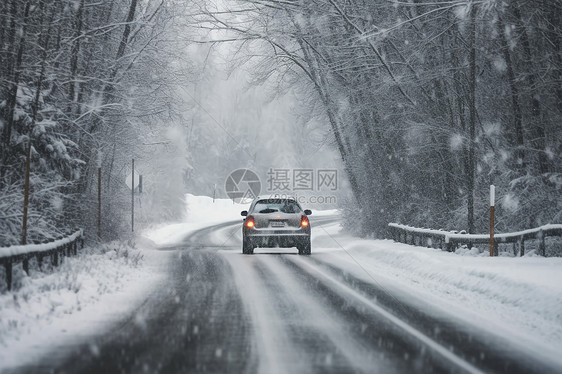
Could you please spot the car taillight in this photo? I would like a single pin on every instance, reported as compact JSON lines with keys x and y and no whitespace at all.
{"x":304,"y":221}
{"x":250,"y":222}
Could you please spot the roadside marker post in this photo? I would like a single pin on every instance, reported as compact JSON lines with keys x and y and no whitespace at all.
{"x":492,"y":209}
{"x":99,"y":203}
{"x":134,"y":181}
{"x":133,"y":197}
{"x":99,"y":163}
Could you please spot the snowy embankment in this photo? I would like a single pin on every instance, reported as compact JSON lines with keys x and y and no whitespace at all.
{"x":80,"y":297}
{"x":84,"y":296}
{"x":516,"y":298}
{"x":201,"y":212}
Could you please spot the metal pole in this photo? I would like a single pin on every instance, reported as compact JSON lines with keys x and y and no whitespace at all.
{"x":99,"y":202}
{"x":492,"y":208}
{"x":133,"y":198}
{"x":26,"y":194}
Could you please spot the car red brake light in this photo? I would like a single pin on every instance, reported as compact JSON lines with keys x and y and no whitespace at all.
{"x":304,"y":221}
{"x":250,"y":222}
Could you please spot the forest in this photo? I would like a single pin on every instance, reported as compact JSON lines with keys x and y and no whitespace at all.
{"x":426,"y":103}
{"x":84,"y":85}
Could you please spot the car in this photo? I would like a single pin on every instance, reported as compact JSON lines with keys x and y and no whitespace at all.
{"x":276,"y":222}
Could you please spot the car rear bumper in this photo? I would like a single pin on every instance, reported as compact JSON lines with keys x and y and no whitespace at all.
{"x":277,"y":233}
{"x":273,"y":238}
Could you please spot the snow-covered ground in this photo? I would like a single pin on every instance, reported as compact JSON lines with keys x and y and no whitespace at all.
{"x":516,"y":297}
{"x":201,"y":212}
{"x":90,"y":292}
{"x":520,"y":298}
{"x":83,"y":296}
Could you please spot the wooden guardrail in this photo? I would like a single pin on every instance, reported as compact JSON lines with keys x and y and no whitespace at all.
{"x":54,"y":248}
{"x":451,"y":240}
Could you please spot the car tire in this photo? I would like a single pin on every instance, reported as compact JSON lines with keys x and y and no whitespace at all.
{"x":305,"y":248}
{"x":247,"y":247}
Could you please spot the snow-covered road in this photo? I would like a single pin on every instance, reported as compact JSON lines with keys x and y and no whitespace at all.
{"x":277,"y":312}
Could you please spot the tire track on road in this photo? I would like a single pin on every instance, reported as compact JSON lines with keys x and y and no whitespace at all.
{"x":468,"y":349}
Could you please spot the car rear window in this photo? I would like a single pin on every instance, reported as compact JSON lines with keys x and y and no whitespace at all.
{"x":277,"y":205}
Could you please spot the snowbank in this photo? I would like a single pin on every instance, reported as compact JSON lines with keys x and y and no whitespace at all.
{"x":202,"y":209}
{"x":517,"y":298}
{"x":201,"y":212}
{"x":80,"y":297}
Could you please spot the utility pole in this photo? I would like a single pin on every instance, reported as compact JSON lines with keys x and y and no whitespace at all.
{"x":25,"y":207}
{"x":472,"y":119}
{"x":26,"y":193}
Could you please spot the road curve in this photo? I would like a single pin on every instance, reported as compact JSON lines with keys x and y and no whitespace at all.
{"x":278,"y":312}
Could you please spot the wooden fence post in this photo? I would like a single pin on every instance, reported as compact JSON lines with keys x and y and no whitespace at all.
{"x":26,"y":193}
{"x":8,"y":267}
{"x":55,"y":258}
{"x":542,"y":245}
{"x":25,"y":265}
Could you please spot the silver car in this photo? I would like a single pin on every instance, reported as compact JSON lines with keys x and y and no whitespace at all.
{"x":276,"y":222}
